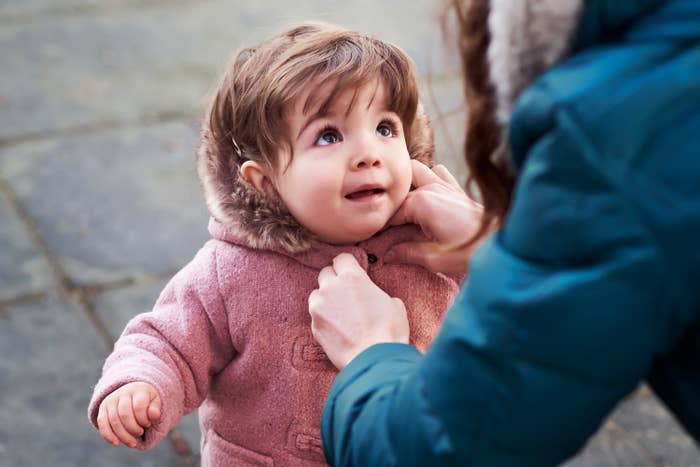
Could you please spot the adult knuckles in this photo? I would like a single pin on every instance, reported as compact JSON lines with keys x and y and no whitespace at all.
{"x":432,"y":260}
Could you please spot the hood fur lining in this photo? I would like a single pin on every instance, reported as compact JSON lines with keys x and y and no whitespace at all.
{"x":527,"y":37}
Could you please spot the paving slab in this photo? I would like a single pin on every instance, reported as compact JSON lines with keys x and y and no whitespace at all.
{"x":640,"y":432}
{"x":189,"y":427}
{"x":648,"y":421}
{"x":96,"y":141}
{"x":103,"y":68}
{"x":23,"y":269}
{"x":612,"y":447}
{"x":51,"y":358}
{"x":113,"y":204}
{"x":117,"y":306}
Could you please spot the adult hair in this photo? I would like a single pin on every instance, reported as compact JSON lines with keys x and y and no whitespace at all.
{"x":484,"y":150}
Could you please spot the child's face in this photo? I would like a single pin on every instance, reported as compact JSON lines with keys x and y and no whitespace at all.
{"x":351,"y":169}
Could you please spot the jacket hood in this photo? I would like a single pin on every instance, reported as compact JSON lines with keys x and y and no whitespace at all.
{"x":529,"y":36}
{"x":526,"y":38}
{"x":261,"y":221}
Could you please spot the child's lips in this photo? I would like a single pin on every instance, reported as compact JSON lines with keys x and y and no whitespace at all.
{"x":367,"y":194}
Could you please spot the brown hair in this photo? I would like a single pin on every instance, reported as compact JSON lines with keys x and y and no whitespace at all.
{"x":484,"y":148}
{"x":246,"y":117}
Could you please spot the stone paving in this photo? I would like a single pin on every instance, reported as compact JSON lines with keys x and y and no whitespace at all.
{"x":99,"y":202}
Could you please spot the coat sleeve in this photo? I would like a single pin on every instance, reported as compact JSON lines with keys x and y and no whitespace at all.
{"x":559,"y":318}
{"x":176,"y":347}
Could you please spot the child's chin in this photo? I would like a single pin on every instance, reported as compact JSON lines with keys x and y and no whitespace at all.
{"x":358,"y":236}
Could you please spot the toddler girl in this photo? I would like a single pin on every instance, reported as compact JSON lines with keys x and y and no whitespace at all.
{"x":306,"y":152}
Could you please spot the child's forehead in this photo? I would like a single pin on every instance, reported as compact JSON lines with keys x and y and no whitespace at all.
{"x":336,"y":98}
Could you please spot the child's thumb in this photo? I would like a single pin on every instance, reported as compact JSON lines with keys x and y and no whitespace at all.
{"x":154,"y":407}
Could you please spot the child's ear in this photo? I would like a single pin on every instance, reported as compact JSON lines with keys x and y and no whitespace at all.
{"x":257,"y":175}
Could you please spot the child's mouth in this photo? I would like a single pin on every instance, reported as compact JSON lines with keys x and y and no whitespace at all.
{"x":365,"y":194}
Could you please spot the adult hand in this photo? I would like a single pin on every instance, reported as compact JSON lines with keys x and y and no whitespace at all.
{"x":349,"y":313}
{"x":447,"y":216}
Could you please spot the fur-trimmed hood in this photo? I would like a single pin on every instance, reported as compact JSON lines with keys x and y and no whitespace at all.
{"x":527,"y":37}
{"x":260,"y":221}
{"x":505,"y":47}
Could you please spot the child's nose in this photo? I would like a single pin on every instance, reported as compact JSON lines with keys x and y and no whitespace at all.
{"x":368,"y":161}
{"x":367,"y":156}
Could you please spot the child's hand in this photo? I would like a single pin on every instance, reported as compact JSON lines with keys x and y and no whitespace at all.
{"x":127,"y":412}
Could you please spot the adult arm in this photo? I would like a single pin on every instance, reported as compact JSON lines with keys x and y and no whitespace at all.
{"x":559,"y":319}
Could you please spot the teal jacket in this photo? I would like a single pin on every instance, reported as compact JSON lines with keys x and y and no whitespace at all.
{"x":591,"y":286}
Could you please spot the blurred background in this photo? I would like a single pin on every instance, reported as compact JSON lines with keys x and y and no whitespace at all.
{"x":100,"y":204}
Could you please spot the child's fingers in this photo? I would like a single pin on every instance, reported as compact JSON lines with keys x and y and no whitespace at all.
{"x":140,"y":401}
{"x":154,"y":408}
{"x":117,"y":427}
{"x":104,"y":427}
{"x":126,"y":415}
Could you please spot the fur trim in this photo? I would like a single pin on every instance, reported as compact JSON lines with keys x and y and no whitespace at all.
{"x":527,"y":37}
{"x":260,"y":221}
{"x":256,"y":220}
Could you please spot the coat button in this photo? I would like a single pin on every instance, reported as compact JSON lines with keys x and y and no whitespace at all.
{"x":372,"y":258}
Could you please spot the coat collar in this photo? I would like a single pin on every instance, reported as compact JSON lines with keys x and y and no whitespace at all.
{"x":323,"y":253}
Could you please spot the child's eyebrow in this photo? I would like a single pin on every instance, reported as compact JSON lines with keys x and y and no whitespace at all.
{"x":324,"y":109}
{"x":311,"y":120}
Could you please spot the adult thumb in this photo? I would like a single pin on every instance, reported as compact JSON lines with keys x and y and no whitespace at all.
{"x":432,"y":256}
{"x":418,"y":253}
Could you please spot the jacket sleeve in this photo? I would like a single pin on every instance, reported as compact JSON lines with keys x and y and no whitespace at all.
{"x":559,"y":318}
{"x":176,"y":347}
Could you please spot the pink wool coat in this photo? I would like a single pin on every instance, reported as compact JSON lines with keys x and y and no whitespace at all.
{"x":230,"y":334}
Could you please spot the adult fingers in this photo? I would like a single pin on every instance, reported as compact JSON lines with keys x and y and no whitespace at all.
{"x":346,"y":263}
{"x":103,"y":425}
{"x":417,"y":253}
{"x":432,"y":256}
{"x":140,"y":401}
{"x":403,"y":215}
{"x":325,"y":276}
{"x":400,"y":304}
{"x":116,"y":424}
{"x":415,"y":208}
{"x":445,"y":175}
{"x":125,"y":408}
{"x":422,"y":175}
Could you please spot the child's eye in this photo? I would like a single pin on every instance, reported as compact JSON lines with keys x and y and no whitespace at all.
{"x":386,"y":129}
{"x":328,"y":136}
